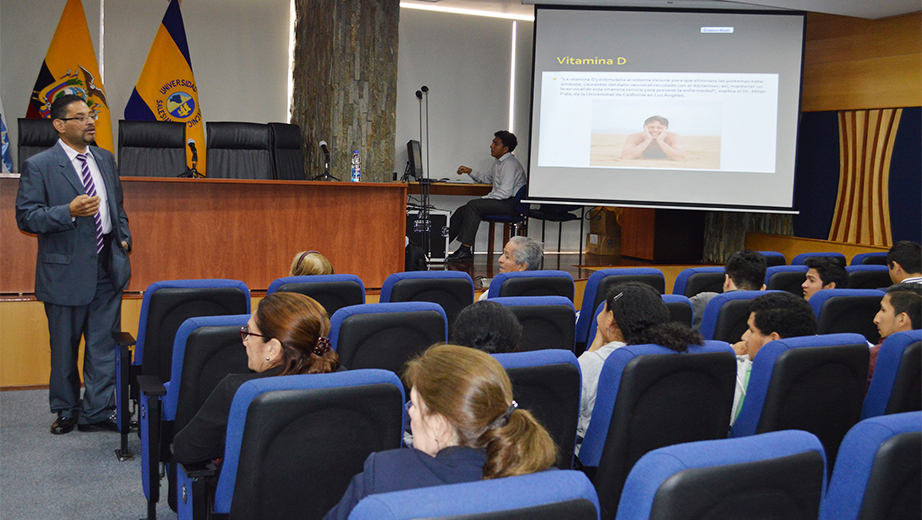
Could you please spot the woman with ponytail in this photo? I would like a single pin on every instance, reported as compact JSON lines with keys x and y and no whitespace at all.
{"x":634,"y":314}
{"x":465,"y":425}
{"x":286,"y":335}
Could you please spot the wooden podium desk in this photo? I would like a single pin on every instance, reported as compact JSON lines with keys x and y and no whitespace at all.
{"x":245,"y":230}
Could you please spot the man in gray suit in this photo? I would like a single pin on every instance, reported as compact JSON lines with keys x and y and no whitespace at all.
{"x":71,"y":197}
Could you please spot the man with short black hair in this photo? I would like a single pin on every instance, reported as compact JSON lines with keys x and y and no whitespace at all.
{"x":904,"y":260}
{"x":507,"y":176}
{"x":71,"y":197}
{"x":823,"y":273}
{"x":774,"y":315}
{"x":744,"y":271}
{"x":900,"y":310}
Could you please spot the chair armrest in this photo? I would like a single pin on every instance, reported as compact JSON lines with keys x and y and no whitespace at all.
{"x":123,"y":339}
{"x":199,"y":469}
{"x":151,"y":385}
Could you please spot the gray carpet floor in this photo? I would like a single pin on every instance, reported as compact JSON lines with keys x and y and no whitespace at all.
{"x":64,"y":476}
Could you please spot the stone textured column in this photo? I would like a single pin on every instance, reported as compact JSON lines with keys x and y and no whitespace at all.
{"x":345,"y":83}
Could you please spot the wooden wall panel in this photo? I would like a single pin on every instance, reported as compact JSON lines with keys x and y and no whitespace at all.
{"x":854,"y":63}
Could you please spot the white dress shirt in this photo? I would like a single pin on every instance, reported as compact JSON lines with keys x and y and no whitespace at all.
{"x":506,"y":175}
{"x":97,"y":181}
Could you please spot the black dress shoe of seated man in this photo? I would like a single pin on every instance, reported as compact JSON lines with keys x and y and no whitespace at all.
{"x":108,"y":424}
{"x":461,"y":255}
{"x":63,"y":424}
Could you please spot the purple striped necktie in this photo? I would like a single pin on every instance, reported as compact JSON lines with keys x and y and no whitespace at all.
{"x":90,"y":188}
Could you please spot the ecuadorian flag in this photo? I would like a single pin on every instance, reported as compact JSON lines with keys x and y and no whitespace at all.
{"x":166,"y":90}
{"x":70,"y":68}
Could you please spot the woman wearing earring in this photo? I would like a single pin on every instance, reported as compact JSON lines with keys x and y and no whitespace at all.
{"x":286,"y":335}
{"x":465,"y":425}
{"x":634,"y":314}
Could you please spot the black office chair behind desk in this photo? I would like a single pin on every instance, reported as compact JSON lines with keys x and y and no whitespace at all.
{"x":35,"y":135}
{"x":239,"y":151}
{"x":151,"y":148}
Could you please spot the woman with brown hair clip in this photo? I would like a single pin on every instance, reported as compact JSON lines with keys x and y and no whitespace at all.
{"x":309,"y":263}
{"x":466,"y":427}
{"x":286,"y":335}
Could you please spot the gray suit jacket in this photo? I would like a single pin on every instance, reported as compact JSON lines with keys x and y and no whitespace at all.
{"x":65,"y":270}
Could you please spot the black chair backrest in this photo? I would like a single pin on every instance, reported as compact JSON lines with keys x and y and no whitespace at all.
{"x":453,"y":294}
{"x":169,"y":308}
{"x":35,"y":135}
{"x":850,"y":314}
{"x":387,"y":340}
{"x":906,"y":395}
{"x":789,"y":487}
{"x":680,"y":312}
{"x":301,"y":448}
{"x":552,"y":394}
{"x":790,"y":281}
{"x":538,"y":286}
{"x":239,"y":151}
{"x":662,"y":400}
{"x":287,"y":157}
{"x":732,"y":321}
{"x":893,"y":487}
{"x":868,"y":279}
{"x":546,"y":326}
{"x":575,"y":509}
{"x":332,"y":295}
{"x":819,"y":390}
{"x":704,"y":282}
{"x":151,"y":148}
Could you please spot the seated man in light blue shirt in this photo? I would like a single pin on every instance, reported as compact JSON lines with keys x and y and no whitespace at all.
{"x":506,"y":175}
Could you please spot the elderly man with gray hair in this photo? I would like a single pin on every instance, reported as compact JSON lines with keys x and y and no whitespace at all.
{"x":520,"y":254}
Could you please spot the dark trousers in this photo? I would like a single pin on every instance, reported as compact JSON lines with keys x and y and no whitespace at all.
{"x":466,"y":220}
{"x":95,"y":322}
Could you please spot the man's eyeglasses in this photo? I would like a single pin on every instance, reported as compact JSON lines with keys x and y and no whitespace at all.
{"x":245,"y":331}
{"x":82,"y":118}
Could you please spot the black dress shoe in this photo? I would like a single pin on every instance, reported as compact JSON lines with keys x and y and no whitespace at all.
{"x":106,"y":425}
{"x":461,"y":255}
{"x":63,"y":424}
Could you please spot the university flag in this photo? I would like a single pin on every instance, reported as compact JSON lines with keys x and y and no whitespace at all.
{"x":166,"y":89}
{"x":70,"y":68}
{"x":6,"y":157}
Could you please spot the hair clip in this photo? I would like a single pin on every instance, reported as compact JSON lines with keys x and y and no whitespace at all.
{"x":617,"y":296}
{"x":512,"y":408}
{"x":323,"y":346}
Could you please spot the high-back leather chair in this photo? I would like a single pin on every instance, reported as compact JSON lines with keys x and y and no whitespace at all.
{"x":287,"y":157}
{"x":151,"y":148}
{"x":812,"y":383}
{"x":532,"y":283}
{"x":548,"y":495}
{"x":332,"y":291}
{"x":772,"y":475}
{"x":649,"y":397}
{"x":548,"y":322}
{"x":453,"y":290}
{"x":294,"y":442}
{"x":239,"y":151}
{"x":847,"y":310}
{"x":547,"y":383}
{"x":896,"y":385}
{"x":35,"y":135}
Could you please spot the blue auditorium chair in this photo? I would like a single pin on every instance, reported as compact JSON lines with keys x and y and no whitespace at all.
{"x":453,"y":290}
{"x":386,"y":335}
{"x":788,"y":278}
{"x":696,"y":280}
{"x":801,"y":258}
{"x":811,"y":383}
{"x":549,"y":495}
{"x":876,"y":258}
{"x":879,"y":473}
{"x":294,"y":443}
{"x":680,"y":308}
{"x":726,"y":315}
{"x":532,"y":283}
{"x":847,"y":310}
{"x":869,"y":276}
{"x":895,"y":385}
{"x":773,"y":258}
{"x":649,"y":397}
{"x":332,"y":291}
{"x":548,"y":383}
{"x":547,"y":321}
{"x":597,"y":287}
{"x":205,"y":350}
{"x":772,"y":475}
{"x":165,"y":306}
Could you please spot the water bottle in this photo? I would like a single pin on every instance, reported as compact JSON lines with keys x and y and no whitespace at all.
{"x":356,"y":167}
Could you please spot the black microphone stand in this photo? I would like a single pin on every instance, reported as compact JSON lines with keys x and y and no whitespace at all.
{"x":325,"y":176}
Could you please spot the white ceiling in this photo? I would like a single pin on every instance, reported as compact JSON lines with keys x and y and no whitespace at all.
{"x":859,"y":8}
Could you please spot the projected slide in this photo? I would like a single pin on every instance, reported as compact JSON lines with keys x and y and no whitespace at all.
{"x":657,"y":120}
